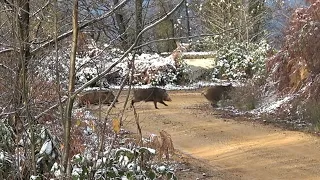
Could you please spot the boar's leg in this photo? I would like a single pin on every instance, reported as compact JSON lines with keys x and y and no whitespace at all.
{"x":214,"y":104}
{"x":163,"y":103}
{"x":132,"y":102}
{"x":155,"y":104}
{"x":87,"y":104}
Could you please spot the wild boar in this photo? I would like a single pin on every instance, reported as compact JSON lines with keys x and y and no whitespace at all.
{"x":215,"y":93}
{"x":154,"y":94}
{"x":92,"y":97}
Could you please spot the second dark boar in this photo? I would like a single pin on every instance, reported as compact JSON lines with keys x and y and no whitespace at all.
{"x":216,"y":93}
{"x":151,"y":94}
{"x":93,"y":97}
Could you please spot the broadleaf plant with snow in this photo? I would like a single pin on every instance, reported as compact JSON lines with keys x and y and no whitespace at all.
{"x":240,"y":60}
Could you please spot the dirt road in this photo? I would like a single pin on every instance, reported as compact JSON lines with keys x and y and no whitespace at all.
{"x":230,"y":149}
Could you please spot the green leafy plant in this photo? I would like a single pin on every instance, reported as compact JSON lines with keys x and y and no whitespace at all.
{"x":122,"y":163}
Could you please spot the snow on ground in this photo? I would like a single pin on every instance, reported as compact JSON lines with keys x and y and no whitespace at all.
{"x":196,"y":85}
{"x":272,"y":104}
{"x":152,"y":61}
{"x":212,"y":53}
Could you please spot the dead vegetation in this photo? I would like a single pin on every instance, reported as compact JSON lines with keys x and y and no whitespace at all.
{"x":296,"y":66}
{"x":294,"y":70}
{"x":163,"y":144}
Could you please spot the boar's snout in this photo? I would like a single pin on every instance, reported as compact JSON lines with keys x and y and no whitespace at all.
{"x":167,"y":98}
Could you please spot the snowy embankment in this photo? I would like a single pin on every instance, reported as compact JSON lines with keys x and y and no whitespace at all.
{"x":271,"y":104}
{"x":192,"y":86}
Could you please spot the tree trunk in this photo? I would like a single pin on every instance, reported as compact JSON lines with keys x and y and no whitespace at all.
{"x":138,"y":7}
{"x":22,"y":89}
{"x":256,"y":9}
{"x":187,"y":19}
{"x":72,"y":73}
{"x":122,"y":27}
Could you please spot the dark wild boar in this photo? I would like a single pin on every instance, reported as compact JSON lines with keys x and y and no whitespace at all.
{"x":216,"y":93}
{"x":151,"y":94}
{"x":93,"y":97}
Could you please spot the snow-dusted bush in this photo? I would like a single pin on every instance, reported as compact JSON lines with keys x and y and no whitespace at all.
{"x":177,"y":76}
{"x":122,"y":163}
{"x":92,"y":61}
{"x":149,"y":68}
{"x":118,"y":163}
{"x":13,"y":159}
{"x":240,"y":60}
{"x":294,"y":70}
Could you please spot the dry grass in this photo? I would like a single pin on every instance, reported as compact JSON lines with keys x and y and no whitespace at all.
{"x":244,"y":98}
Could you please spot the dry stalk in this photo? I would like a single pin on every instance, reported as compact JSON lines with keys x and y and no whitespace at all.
{"x":162,"y":144}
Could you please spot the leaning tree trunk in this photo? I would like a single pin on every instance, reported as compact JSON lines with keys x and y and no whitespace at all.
{"x":72,"y":73}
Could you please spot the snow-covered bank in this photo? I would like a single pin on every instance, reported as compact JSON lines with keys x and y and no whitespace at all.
{"x":196,"y":85}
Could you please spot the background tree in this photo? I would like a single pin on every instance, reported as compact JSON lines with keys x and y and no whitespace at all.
{"x":71,"y":88}
{"x":239,"y":20}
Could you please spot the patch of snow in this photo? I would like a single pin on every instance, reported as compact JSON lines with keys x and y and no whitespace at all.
{"x":88,"y":131}
{"x":43,"y":133}
{"x":161,"y":168}
{"x":124,"y":160}
{"x":133,"y":167}
{"x":76,"y":171}
{"x":196,"y":85}
{"x":115,"y":170}
{"x":98,"y":163}
{"x":53,"y":155}
{"x":5,"y":157}
{"x":124,"y":178}
{"x":1,"y":156}
{"x":33,"y":177}
{"x":272,"y":105}
{"x":46,"y":147}
{"x":39,"y":160}
{"x":152,"y":151}
{"x":56,"y":169}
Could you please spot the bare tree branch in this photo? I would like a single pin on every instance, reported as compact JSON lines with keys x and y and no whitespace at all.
{"x":179,"y":38}
{"x":6,"y":50}
{"x":95,"y":79}
{"x":69,"y":33}
{"x":6,"y":67}
{"x":44,"y":6}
